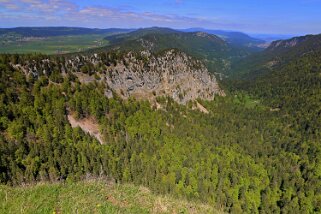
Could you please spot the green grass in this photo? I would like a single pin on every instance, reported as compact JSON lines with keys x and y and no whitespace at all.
{"x":248,"y":102}
{"x":92,"y":197}
{"x":54,"y":45}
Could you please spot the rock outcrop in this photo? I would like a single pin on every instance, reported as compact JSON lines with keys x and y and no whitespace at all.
{"x":142,"y":75}
{"x":171,"y":74}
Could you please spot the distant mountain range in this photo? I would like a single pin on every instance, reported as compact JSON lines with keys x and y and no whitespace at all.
{"x":233,"y":37}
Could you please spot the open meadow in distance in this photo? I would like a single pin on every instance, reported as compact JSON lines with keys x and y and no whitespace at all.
{"x":52,"y":45}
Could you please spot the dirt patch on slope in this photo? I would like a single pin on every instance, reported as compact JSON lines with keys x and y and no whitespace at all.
{"x":88,"y":125}
{"x":200,"y":107}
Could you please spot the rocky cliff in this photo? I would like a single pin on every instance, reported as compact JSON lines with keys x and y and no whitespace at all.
{"x":139,"y":74}
{"x":171,"y":74}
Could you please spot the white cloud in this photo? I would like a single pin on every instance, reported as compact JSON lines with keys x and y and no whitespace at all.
{"x":65,"y":13}
{"x":8,"y":4}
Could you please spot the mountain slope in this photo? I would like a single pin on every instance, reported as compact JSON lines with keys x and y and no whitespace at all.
{"x":232,"y":37}
{"x":288,"y":77}
{"x":214,"y":51}
{"x":277,"y":54}
{"x":139,"y":33}
{"x":296,"y":44}
{"x":291,"y":86}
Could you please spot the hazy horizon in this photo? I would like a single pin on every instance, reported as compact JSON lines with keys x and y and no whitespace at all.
{"x":258,"y":35}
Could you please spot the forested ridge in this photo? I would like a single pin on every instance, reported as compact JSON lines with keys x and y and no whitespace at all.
{"x":257,"y":151}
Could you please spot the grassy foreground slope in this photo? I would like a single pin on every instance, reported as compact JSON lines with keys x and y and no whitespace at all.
{"x":91,"y":197}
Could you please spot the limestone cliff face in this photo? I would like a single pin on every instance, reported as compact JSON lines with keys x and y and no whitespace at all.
{"x":171,"y":74}
{"x":142,"y":75}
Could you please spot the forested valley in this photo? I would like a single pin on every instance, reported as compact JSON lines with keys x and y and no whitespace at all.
{"x":257,"y":150}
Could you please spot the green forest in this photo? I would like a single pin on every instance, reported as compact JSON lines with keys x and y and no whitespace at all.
{"x":257,"y":151}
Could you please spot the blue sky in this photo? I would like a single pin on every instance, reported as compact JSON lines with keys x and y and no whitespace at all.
{"x":252,"y":16}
